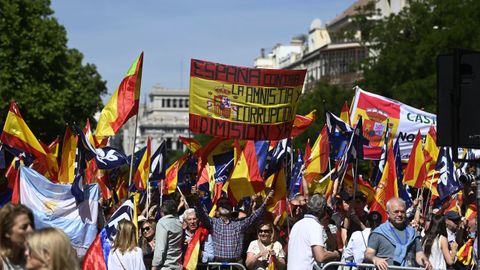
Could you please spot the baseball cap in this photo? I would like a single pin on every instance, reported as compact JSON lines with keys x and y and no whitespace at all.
{"x":452,"y":215}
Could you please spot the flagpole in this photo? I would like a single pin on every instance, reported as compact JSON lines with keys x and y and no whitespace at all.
{"x":161,"y":192}
{"x":148,"y":197}
{"x":133,"y":152}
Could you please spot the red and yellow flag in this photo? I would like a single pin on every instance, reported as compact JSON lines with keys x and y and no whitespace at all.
{"x":17,"y":134}
{"x":345,"y":113}
{"x":430,"y":150}
{"x":192,"y":254}
{"x":246,"y":179}
{"x":171,"y":174}
{"x":317,"y":162}
{"x":67,"y":164}
{"x":471,"y":211}
{"x":278,"y":183}
{"x":465,"y":253}
{"x":416,"y":172}
{"x":362,"y":186}
{"x":192,"y":144}
{"x":124,"y":102}
{"x":387,"y":187}
{"x":143,"y":171}
{"x":300,"y":123}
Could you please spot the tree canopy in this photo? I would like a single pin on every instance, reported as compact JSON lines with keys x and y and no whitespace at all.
{"x":406,"y":47}
{"x":47,"y":79}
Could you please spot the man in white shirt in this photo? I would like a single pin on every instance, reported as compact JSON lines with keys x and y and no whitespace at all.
{"x":307,"y":244}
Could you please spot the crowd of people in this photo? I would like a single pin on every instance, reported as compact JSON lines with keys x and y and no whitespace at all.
{"x":317,"y":230}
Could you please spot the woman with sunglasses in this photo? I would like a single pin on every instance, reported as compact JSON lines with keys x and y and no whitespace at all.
{"x":147,"y":241}
{"x":263,"y":249}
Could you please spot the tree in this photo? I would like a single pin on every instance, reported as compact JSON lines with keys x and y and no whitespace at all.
{"x":39,"y":71}
{"x":408,"y":45}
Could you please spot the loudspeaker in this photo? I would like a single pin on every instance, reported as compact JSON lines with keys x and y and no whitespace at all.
{"x":458,"y":99}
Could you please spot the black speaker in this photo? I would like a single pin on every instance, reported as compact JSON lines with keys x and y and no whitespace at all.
{"x":445,"y":90}
{"x":458,"y":99}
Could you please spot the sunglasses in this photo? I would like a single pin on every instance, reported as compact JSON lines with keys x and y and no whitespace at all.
{"x":145,"y":229}
{"x":264,"y":231}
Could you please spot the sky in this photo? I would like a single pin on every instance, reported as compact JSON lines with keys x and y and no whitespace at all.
{"x":111,"y":34}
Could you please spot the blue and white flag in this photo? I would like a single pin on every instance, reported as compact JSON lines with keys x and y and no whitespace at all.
{"x":447,"y":182}
{"x":296,"y":181}
{"x":339,"y":134}
{"x":159,"y":163}
{"x":53,"y":205}
{"x":107,"y":158}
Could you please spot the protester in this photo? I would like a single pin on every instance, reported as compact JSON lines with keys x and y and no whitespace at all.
{"x":394,"y":242}
{"x":168,"y":238}
{"x":50,"y":248}
{"x":191,"y":225}
{"x":265,"y":248}
{"x":16,"y":223}
{"x":435,"y":244}
{"x":125,"y":254}
{"x":356,"y":216}
{"x":355,"y":249}
{"x":307,"y":243}
{"x":452,"y":221}
{"x":228,"y":234}
{"x":147,"y":241}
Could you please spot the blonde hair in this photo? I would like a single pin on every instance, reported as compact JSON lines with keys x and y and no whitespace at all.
{"x":126,"y":239}
{"x":52,"y":246}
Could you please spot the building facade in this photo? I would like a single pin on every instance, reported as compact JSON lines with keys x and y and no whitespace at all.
{"x":335,"y":51}
{"x":163,"y":117}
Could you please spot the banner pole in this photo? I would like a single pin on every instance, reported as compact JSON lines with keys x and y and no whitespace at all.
{"x":133,"y":152}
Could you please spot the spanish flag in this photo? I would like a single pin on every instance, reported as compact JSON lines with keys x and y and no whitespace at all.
{"x":173,"y":173}
{"x":246,"y":179}
{"x":317,"y":162}
{"x":278,"y":183}
{"x":345,"y":113}
{"x":416,"y":172}
{"x":17,"y":134}
{"x":471,"y":211}
{"x":67,"y":165}
{"x":124,"y":102}
{"x":301,"y":122}
{"x":430,"y":150}
{"x":191,"y":144}
{"x":192,"y":254}
{"x":143,"y":170}
{"x":465,"y":253}
{"x":387,"y":187}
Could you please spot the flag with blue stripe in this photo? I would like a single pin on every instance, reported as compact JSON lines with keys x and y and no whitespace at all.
{"x":53,"y":205}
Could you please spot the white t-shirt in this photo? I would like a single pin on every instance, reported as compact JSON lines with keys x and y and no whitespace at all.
{"x":255,"y":249}
{"x":129,"y":260}
{"x":305,"y":234}
{"x":356,"y":246}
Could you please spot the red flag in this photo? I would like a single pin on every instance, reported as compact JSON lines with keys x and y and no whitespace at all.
{"x":345,"y":113}
{"x":192,"y":253}
{"x":387,"y":187}
{"x":94,"y":258}
{"x":416,"y":172}
{"x":301,"y":123}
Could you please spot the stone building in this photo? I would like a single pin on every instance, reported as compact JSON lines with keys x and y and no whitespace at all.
{"x":163,"y":117}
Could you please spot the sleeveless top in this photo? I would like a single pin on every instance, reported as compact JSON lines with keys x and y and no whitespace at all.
{"x":436,"y":255}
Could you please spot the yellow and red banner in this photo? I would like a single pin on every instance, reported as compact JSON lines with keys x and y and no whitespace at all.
{"x":243,"y":103}
{"x":404,"y":121}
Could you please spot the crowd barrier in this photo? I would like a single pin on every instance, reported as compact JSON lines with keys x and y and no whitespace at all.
{"x":221,"y":265}
{"x":351,"y":265}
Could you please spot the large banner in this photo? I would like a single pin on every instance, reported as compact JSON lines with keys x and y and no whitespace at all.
{"x":404,"y":121}
{"x":244,"y":103}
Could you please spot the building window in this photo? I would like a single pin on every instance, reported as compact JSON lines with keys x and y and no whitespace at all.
{"x":180,"y":103}
{"x":168,"y":103}
{"x":168,"y":143}
{"x":174,"y":103}
{"x":186,"y":103}
{"x":163,"y":103}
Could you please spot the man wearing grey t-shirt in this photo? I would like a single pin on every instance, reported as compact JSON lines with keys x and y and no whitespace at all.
{"x":394,"y":242}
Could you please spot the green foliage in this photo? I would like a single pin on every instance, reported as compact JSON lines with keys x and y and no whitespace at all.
{"x":323,"y":96}
{"x":406,"y":47}
{"x":39,"y":71}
